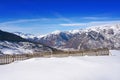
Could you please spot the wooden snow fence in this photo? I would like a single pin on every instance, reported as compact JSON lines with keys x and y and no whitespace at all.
{"x":6,"y":58}
{"x":93,"y":52}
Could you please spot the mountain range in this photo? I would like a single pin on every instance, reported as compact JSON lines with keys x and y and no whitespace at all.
{"x":102,"y":36}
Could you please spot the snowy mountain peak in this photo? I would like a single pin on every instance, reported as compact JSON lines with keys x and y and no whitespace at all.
{"x":56,"y":32}
{"x":106,"y":26}
{"x":23,"y":35}
{"x":74,"y":31}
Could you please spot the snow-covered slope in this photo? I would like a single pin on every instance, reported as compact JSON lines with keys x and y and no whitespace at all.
{"x":21,"y":48}
{"x":114,"y":27}
{"x":115,"y":52}
{"x":13,"y":44}
{"x":68,"y":68}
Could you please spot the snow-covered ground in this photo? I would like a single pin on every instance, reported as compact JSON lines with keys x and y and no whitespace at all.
{"x":67,"y":68}
{"x":115,"y":52}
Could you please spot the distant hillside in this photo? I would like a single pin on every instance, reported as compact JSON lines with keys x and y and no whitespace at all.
{"x":13,"y":44}
{"x":6,"y":36}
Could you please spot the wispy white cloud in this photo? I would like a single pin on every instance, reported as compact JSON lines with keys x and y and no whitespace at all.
{"x":88,"y":24}
{"x":52,"y":20}
{"x":46,"y":25}
{"x":15,"y":28}
{"x":24,"y":20}
{"x":60,"y":16}
{"x":95,"y":18}
{"x":42,"y":25}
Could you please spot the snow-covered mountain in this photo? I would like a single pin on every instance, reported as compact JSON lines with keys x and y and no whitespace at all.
{"x":26,"y":36}
{"x":93,"y":37}
{"x":13,"y":44}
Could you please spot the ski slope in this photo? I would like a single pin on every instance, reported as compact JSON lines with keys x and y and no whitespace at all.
{"x":67,"y":68}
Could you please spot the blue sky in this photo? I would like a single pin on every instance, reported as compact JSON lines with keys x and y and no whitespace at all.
{"x":45,"y":16}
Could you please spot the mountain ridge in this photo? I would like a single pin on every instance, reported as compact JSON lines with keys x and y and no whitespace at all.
{"x":103,"y":36}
